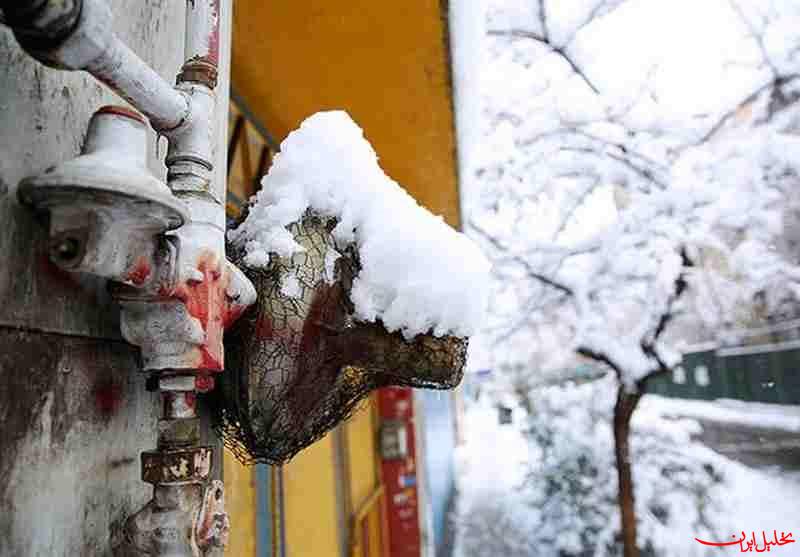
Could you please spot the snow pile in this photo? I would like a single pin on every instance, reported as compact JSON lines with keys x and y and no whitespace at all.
{"x":567,"y":506}
{"x":417,"y":273}
{"x":554,"y":491}
{"x":782,"y":417}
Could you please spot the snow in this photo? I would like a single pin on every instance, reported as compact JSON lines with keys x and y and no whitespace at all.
{"x":290,"y":286}
{"x":330,"y":265}
{"x":632,"y":208}
{"x":524,"y":493}
{"x":753,"y":414}
{"x":596,"y":202}
{"x":417,"y":273}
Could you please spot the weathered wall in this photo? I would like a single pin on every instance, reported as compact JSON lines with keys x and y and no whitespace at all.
{"x":73,"y":408}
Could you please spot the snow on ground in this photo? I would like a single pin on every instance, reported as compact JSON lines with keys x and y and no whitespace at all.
{"x":753,"y":414}
{"x":495,"y":458}
{"x":417,"y":273}
{"x":759,"y":501}
{"x":491,"y":467}
{"x":752,"y":499}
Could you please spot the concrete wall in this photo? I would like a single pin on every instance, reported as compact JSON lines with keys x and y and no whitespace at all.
{"x":73,"y":408}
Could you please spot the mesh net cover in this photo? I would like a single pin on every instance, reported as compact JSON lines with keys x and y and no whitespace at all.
{"x":297,"y":363}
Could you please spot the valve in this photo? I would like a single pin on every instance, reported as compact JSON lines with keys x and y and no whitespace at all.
{"x":108,"y":214}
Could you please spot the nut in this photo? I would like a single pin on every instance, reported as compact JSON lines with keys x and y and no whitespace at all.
{"x":181,"y":465}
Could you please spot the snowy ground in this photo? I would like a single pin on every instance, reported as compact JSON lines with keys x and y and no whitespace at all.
{"x":763,"y":499}
{"x":494,"y":459}
{"x":752,"y":414}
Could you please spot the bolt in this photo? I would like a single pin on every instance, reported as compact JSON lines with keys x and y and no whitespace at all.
{"x":66,"y":249}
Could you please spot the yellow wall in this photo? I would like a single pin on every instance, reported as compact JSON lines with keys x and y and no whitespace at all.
{"x":386,"y":63}
{"x":364,"y":476}
{"x":240,"y":503}
{"x":362,"y":455}
{"x":311,"y":521}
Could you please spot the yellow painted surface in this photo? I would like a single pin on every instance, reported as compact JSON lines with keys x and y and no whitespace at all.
{"x":362,"y":455}
{"x":363,"y":461}
{"x":240,"y":502}
{"x":386,"y":63}
{"x":310,"y":502}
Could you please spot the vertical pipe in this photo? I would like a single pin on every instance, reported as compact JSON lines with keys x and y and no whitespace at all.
{"x":224,"y":11}
{"x":264,"y":531}
{"x":202,"y":32}
{"x":282,"y":549}
{"x":341,"y":471}
{"x":201,"y":44}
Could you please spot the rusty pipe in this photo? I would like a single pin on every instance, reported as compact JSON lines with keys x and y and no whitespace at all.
{"x":201,"y":42}
{"x":77,"y":35}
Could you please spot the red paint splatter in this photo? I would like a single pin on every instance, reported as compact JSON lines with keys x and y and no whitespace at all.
{"x":140,"y":271}
{"x":322,"y":310}
{"x":191,"y":399}
{"x":55,"y":273}
{"x":231,"y":314}
{"x":213,"y":38}
{"x":107,"y":398}
{"x":208,"y":361}
{"x":204,"y":383}
{"x":265,"y":329}
{"x":205,"y":301}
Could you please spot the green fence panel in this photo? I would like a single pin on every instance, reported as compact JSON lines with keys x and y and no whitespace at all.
{"x":770,"y":376}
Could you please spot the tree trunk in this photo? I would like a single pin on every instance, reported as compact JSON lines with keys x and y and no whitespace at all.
{"x":623,"y":410}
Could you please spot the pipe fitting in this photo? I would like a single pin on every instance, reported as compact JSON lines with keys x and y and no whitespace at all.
{"x":181,"y":330}
{"x":177,"y":292}
{"x":201,"y":50}
{"x":78,"y":35}
{"x":42,"y":23}
{"x":107,"y":212}
{"x":180,"y":520}
{"x":191,"y":145}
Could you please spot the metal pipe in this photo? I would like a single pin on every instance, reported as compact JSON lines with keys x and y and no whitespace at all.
{"x":178,"y":323}
{"x":140,"y":85}
{"x":77,"y":35}
{"x":201,"y":43}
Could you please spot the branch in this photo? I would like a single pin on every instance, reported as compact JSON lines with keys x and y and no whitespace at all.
{"x":645,"y":173}
{"x":774,"y":83}
{"x":529,"y":270}
{"x":757,"y":37}
{"x":543,"y":20}
{"x":545,"y":40}
{"x":624,"y":149}
{"x":599,"y":357}
{"x":648,"y":345}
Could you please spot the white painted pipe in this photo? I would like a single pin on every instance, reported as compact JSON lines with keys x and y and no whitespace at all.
{"x":92,"y":45}
{"x":201,"y":42}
